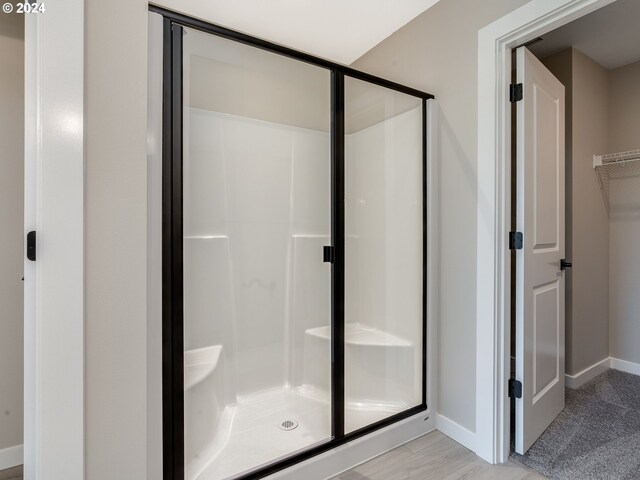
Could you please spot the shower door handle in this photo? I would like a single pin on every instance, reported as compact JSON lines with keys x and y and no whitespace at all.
{"x":329,"y":254}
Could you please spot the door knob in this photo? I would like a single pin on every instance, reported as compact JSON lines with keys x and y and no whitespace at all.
{"x":564,"y":264}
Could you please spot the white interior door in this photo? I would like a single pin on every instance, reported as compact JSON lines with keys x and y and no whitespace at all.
{"x":540,"y":281}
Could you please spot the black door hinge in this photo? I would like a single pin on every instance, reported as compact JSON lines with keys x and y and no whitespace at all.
{"x":515,"y":388}
{"x":515,"y":92}
{"x":515,"y":240}
{"x":329,"y":254}
{"x":564,"y":264}
{"x":31,"y":246}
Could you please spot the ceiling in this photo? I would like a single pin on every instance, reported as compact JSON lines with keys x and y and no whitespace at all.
{"x":338,"y":30}
{"x":610,"y":35}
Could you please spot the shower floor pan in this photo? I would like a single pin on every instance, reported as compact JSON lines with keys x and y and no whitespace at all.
{"x":256,"y":435}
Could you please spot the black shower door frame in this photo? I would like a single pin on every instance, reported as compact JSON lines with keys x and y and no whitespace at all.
{"x":172,"y":244}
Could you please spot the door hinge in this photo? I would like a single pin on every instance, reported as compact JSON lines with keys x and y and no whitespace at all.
{"x":31,"y":246}
{"x":515,"y":240}
{"x":515,"y":92}
{"x":329,"y":254}
{"x":564,"y":264}
{"x":515,"y":388}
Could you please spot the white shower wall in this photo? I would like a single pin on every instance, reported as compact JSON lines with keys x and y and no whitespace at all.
{"x":256,"y":214}
{"x":257,"y":294}
{"x":257,"y":202}
{"x":384,"y":225}
{"x":384,"y":265}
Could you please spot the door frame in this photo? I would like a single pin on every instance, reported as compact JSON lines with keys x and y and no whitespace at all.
{"x":54,"y":292}
{"x":493,"y":329}
{"x":172,"y":245}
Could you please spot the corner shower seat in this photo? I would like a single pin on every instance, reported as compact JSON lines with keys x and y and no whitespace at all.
{"x":380,"y":368}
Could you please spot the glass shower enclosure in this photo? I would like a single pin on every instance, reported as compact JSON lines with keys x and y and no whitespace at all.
{"x":294,"y":217}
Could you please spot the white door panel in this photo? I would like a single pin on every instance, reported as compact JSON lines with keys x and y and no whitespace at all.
{"x":539,"y":281}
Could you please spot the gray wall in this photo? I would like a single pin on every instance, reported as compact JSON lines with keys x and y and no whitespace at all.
{"x":116,"y":239}
{"x":590,"y":222}
{"x":624,"y":216}
{"x":12,"y":228}
{"x":602,"y":300}
{"x":438,"y":52}
{"x":561,"y":65}
{"x":624,"y":108}
{"x":587,"y":241}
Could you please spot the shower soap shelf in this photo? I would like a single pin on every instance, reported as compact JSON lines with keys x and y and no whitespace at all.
{"x":614,"y":166}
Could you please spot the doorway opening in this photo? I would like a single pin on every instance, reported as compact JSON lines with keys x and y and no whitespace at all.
{"x":597,"y":60}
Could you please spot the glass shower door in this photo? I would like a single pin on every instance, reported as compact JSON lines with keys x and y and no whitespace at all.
{"x":256,"y":215}
{"x":293,"y":254}
{"x":384,"y":264}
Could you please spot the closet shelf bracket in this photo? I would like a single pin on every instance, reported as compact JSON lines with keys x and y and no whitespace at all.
{"x":615,"y":166}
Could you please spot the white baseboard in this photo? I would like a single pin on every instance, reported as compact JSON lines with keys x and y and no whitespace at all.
{"x":580,"y":378}
{"x":625,"y":366}
{"x":456,"y":431}
{"x":11,"y":457}
{"x":589,"y":373}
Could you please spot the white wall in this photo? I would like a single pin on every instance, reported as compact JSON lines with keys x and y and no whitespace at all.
{"x":624,"y":216}
{"x":11,"y":230}
{"x":437,"y":52}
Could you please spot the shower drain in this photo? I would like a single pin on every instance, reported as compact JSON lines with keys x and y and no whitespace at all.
{"x":288,"y":425}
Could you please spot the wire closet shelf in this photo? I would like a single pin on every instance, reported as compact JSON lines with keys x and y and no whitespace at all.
{"x":614,"y":166}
